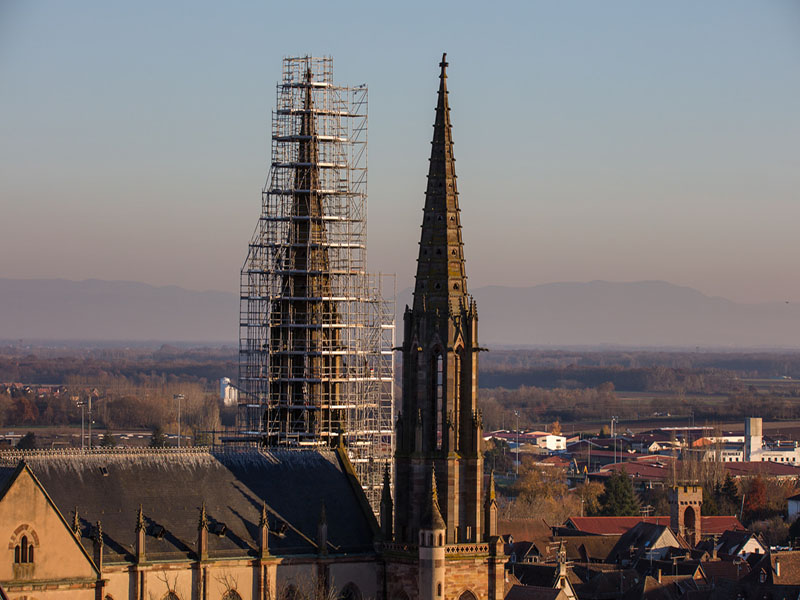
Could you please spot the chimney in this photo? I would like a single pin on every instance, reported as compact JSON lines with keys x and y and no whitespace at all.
{"x":658,"y":575}
{"x":777,"y":567}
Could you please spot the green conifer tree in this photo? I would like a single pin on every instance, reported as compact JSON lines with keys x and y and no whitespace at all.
{"x":108,"y":440}
{"x":618,"y":498}
{"x":158,"y":440}
{"x":730,"y":491}
{"x":27,"y":441}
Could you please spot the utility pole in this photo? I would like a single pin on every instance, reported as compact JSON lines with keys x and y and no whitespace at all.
{"x":179,"y":397}
{"x":82,"y":404}
{"x":614,"y":435}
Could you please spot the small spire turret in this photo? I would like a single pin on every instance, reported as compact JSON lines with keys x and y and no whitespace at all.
{"x":433,"y":514}
{"x":387,"y":506}
{"x":76,"y":522}
{"x":98,"y":545}
{"x":140,"y":536}
{"x":202,"y":534}
{"x":263,"y":528}
{"x":203,"y":522}
{"x":490,"y":510}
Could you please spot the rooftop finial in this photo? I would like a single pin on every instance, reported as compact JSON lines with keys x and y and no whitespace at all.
{"x":492,"y":493}
{"x":263,"y":521}
{"x":203,"y":523}
{"x":140,"y":519}
{"x":444,"y":64}
{"x":386,"y":491}
{"x":434,"y":491}
{"x":432,"y":518}
{"x":76,"y":522}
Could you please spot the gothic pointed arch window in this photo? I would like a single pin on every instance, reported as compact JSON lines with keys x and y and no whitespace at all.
{"x":25,"y":542}
{"x":467,"y":595}
{"x":458,"y":380}
{"x":438,"y":395}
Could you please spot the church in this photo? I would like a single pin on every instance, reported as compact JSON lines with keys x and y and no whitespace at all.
{"x":274,"y":524}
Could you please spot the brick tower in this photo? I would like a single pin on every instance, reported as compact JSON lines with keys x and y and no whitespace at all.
{"x":685,"y":502}
{"x":439,"y":426}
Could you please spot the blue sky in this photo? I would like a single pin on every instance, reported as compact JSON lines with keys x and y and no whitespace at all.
{"x":594,"y":140}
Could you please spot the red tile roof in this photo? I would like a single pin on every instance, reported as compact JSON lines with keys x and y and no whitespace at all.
{"x":618,"y":525}
{"x":774,"y":469}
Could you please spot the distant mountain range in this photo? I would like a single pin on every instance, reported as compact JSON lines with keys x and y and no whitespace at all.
{"x":644,"y":313}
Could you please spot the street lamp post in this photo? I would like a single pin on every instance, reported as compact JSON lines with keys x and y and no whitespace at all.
{"x":90,"y":423}
{"x":81,"y":403}
{"x":179,"y":397}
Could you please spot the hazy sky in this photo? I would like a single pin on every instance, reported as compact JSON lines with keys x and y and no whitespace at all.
{"x":595,"y":140}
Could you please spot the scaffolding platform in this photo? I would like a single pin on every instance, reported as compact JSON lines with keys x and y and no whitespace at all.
{"x":316,"y":330}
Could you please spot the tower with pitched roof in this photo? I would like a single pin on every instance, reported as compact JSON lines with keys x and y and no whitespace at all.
{"x":439,"y":426}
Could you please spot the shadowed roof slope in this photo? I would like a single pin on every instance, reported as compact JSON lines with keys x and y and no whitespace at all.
{"x":172,"y":486}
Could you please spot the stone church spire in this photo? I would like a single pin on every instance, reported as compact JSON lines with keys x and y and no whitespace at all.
{"x":441,"y":275}
{"x":439,"y":428}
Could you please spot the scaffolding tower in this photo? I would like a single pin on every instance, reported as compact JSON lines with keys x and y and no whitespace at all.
{"x":315,"y":330}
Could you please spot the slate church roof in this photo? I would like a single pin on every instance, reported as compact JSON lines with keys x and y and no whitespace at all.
{"x":172,"y":486}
